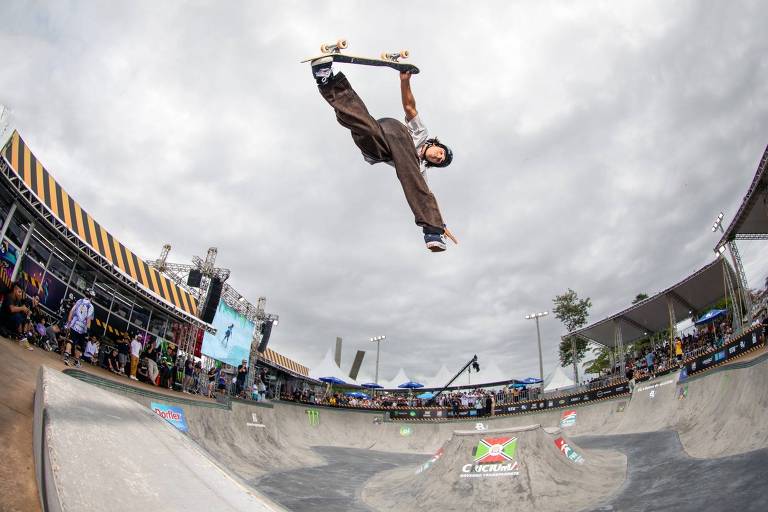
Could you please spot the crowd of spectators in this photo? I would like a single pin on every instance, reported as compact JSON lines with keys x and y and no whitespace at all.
{"x":67,"y":332}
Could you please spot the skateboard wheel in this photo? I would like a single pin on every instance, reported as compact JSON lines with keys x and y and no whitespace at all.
{"x":384,"y":56}
{"x":404,"y":54}
{"x":324,"y":48}
{"x":341,"y":44}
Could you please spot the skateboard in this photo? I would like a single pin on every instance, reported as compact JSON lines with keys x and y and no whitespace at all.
{"x":390,"y":60}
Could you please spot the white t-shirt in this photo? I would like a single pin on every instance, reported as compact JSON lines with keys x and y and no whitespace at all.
{"x":82,"y":313}
{"x":135,"y":348}
{"x":419,"y":135}
{"x":91,"y":348}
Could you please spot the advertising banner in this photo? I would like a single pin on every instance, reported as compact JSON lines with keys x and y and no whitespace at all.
{"x":568,"y":419}
{"x":587,"y":396}
{"x":734,"y":349}
{"x":232,"y":341}
{"x":171,"y":414}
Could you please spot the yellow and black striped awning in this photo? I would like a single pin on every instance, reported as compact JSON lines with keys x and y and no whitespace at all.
{"x":41,"y":183}
{"x":289,"y":364}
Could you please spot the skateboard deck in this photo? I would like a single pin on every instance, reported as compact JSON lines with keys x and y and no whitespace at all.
{"x":390,"y":60}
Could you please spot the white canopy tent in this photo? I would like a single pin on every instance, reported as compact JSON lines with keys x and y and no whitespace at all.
{"x":400,"y":378}
{"x":557,"y":379}
{"x":328,"y":368}
{"x":489,"y":372}
{"x":442,"y":376}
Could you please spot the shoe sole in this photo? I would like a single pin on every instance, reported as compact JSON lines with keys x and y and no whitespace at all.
{"x":435,"y":246}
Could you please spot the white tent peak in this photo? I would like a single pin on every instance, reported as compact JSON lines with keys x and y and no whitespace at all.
{"x":557,"y":379}
{"x":400,"y":378}
{"x":327,"y":367}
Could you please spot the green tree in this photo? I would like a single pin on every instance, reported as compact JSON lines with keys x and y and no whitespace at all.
{"x":601,"y":362}
{"x":640,"y":297}
{"x":573,"y":313}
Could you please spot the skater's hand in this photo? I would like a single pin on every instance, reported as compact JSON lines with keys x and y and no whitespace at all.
{"x":450,"y":235}
{"x":405,"y":76}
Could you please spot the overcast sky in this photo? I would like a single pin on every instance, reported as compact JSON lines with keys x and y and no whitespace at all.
{"x":594,"y":144}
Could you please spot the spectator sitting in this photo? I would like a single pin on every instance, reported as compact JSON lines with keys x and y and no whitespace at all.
{"x":113,"y":363}
{"x":91,"y":350}
{"x":14,"y":314}
{"x":51,"y":341}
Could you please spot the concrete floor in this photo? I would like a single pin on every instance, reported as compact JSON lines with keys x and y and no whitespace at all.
{"x":335,"y":486}
{"x":661,"y":476}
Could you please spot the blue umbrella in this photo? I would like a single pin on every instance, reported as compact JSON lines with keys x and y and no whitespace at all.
{"x":425,"y":396}
{"x":517,"y":385}
{"x":710,"y":315}
{"x":371,"y":385}
{"x":531,"y":380}
{"x":357,"y":394}
{"x":332,"y":380}
{"x":411,"y":385}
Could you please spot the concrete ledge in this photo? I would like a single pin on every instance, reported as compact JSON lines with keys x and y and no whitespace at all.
{"x":96,"y":451}
{"x":510,"y":430}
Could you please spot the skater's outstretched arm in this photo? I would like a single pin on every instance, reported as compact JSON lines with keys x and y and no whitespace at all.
{"x":409,"y":102}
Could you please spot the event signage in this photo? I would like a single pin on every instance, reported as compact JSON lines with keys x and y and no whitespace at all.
{"x":431,"y":461}
{"x":313,"y":416}
{"x":568,"y":419}
{"x":585,"y":397}
{"x":569,"y":452}
{"x":234,"y":334}
{"x":494,"y":456}
{"x":734,"y":349}
{"x":171,"y":414}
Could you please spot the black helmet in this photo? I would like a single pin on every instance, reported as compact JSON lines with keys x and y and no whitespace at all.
{"x":448,"y":153}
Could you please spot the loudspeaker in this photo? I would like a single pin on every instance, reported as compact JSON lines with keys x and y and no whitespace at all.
{"x":266,"y":331}
{"x":212,"y":300}
{"x":195,"y":278}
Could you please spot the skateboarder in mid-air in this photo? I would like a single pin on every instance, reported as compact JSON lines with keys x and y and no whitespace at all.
{"x":406,"y":147}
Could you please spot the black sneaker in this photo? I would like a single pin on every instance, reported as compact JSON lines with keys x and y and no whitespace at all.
{"x":321,"y":70}
{"x":435,"y":242}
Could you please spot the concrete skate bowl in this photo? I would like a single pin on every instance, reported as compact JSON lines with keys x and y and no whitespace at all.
{"x":697,"y":445}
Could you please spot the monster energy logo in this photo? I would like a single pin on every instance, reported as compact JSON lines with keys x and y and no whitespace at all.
{"x":314,"y":417}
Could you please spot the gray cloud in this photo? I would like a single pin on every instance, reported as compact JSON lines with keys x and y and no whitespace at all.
{"x":594,"y":145}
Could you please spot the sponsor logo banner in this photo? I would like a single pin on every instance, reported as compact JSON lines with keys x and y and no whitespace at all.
{"x":431,"y":461}
{"x":494,"y":456}
{"x":568,"y":419}
{"x":569,"y":452}
{"x":586,"y":397}
{"x":732,"y":350}
{"x":171,"y":414}
{"x":406,"y":431}
{"x":313,"y":416}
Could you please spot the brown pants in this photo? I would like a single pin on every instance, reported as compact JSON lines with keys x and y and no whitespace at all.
{"x":385,"y":140}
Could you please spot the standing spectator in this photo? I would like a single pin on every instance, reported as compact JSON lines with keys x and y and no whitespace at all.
{"x":213,"y":377}
{"x":79,"y":323}
{"x":123,"y":352}
{"x":189,"y":375}
{"x":135,"y":354}
{"x":488,"y":405}
{"x":166,"y":380}
{"x":649,"y":360}
{"x":262,"y":389}
{"x":150,"y":355}
{"x":679,"y":351}
{"x":242,"y":373}
{"x":14,"y":314}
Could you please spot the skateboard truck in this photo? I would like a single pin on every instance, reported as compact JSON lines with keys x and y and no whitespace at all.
{"x":395,"y":57}
{"x":340,"y":44}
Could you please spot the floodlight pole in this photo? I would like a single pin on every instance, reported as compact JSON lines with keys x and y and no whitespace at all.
{"x":378,"y":340}
{"x":536,"y":316}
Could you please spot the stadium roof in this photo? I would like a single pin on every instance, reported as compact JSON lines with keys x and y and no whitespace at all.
{"x":27,"y":170}
{"x":751,"y":220}
{"x":692,"y":295}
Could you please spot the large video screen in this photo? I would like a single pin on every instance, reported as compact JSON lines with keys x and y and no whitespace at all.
{"x":232,"y":341}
